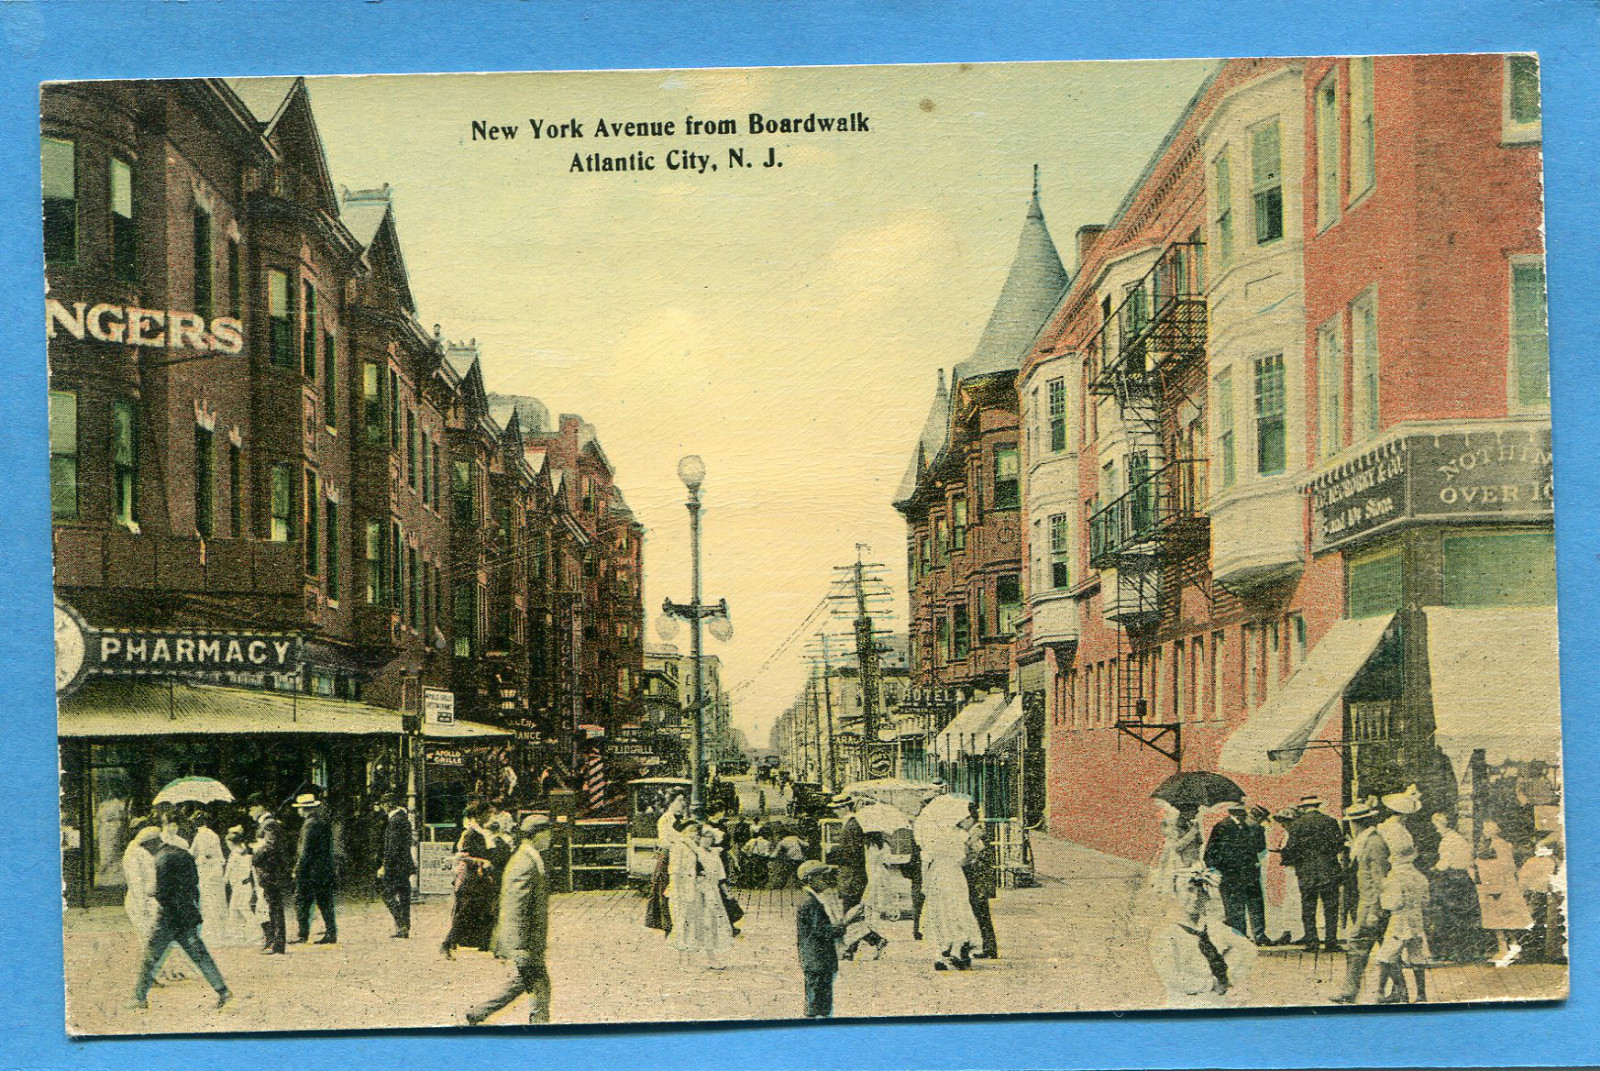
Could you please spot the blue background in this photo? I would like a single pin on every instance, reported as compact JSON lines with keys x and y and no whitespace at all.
{"x":133,"y":38}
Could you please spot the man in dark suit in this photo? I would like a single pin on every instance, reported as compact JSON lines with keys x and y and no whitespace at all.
{"x":524,"y":926}
{"x":1234,"y":852}
{"x":274,"y":869}
{"x":394,"y":875}
{"x":177,"y":896}
{"x":819,"y":924}
{"x":314,"y":873}
{"x":1314,"y":846}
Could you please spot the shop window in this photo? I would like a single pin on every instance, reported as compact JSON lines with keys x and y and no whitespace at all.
{"x":1522,"y":104}
{"x":280,"y":318}
{"x":308,"y":332}
{"x":125,"y":462}
{"x":1363,"y":128}
{"x":204,"y":263}
{"x":1373,"y":584}
{"x":1007,"y":478}
{"x":59,"y":163}
{"x":1530,"y":338}
{"x":1270,"y":442}
{"x":205,"y":492}
{"x":1500,"y":569}
{"x":330,"y":381}
{"x":1364,"y":362}
{"x":235,"y":491}
{"x":1330,"y":142}
{"x":1222,"y":191}
{"x":282,"y":491}
{"x":1266,"y":183}
{"x":63,"y":455}
{"x":1225,"y":431}
{"x":1060,"y":552}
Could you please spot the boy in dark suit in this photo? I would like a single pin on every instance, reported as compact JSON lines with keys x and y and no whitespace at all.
{"x":819,"y":924}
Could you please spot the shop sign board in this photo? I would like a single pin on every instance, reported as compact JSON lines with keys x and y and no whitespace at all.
{"x":438,"y":706}
{"x":1470,"y":475}
{"x":436,"y":866}
{"x":445,"y":756}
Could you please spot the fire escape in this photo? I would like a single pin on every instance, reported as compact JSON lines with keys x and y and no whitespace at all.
{"x":1153,"y":540}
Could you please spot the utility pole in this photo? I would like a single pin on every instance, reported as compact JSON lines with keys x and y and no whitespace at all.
{"x":832,"y":766}
{"x":867,"y":660}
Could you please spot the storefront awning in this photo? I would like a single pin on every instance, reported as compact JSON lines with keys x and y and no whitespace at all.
{"x":463,"y":730}
{"x":112,"y":708}
{"x":964,"y":734}
{"x":1496,"y":683}
{"x":1006,"y":727}
{"x":1285,"y":723}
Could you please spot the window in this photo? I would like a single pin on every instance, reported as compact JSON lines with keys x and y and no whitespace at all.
{"x":372,"y":401}
{"x":376,"y":583}
{"x":124,"y":232}
{"x":1330,"y":387}
{"x":308,"y":333}
{"x":960,"y":634}
{"x":1364,"y":363}
{"x":205,"y":467}
{"x":1373,"y":584}
{"x":958,"y":523}
{"x":1297,"y":639}
{"x":464,"y":611}
{"x":461,"y":492}
{"x":941,"y":540}
{"x":1501,"y":569}
{"x":1008,"y":600}
{"x":331,"y":516}
{"x":235,"y":491}
{"x":1195,"y":704}
{"x":282,"y":523}
{"x":1219,"y":646}
{"x":1266,"y":183}
{"x":413,"y":588}
{"x":330,"y":381}
{"x":926,"y":557}
{"x":313,"y":522}
{"x":204,"y":264}
{"x":411,"y":449}
{"x":438,"y":462}
{"x":1272,"y":643}
{"x":235,"y":291}
{"x":1224,"y":409}
{"x":1270,"y":444}
{"x":427,"y":470}
{"x":1530,"y":339}
{"x":280,"y":313}
{"x":1060,"y":550}
{"x":58,"y":160}
{"x":1363,"y":129}
{"x":396,"y":564}
{"x":124,"y":461}
{"x":1007,"y":470}
{"x":1222,"y":180}
{"x":1250,"y":643}
{"x":63,"y":455}
{"x":1058,"y":415}
{"x":394,"y":409}
{"x":1329,"y":143}
{"x":1522,"y":105}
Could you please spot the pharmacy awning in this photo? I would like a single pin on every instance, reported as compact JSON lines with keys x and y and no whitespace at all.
{"x":1496,"y":682}
{"x":964,"y":734}
{"x":1272,"y":739}
{"x":112,"y":708}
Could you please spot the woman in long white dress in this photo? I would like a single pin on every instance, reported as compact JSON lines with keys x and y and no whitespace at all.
{"x":1180,"y":850}
{"x":700,"y":923}
{"x":245,"y":914}
{"x":212,"y":864}
{"x":948,"y":923}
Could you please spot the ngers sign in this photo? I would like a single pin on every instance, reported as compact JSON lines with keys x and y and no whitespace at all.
{"x":131,"y":325}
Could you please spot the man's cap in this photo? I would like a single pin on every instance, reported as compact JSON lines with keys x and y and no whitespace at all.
{"x":1312,"y":800}
{"x":811,"y":866}
{"x":307,"y":799}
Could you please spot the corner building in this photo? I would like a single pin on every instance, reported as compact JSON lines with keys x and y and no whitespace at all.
{"x":1287,"y":452}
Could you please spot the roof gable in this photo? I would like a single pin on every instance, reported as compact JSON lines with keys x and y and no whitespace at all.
{"x":292,"y":131}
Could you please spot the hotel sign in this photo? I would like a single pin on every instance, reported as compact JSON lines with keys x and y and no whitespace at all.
{"x":1483,"y":474}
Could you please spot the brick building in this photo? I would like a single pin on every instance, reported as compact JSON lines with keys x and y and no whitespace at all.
{"x":252,"y":436}
{"x":1288,"y":450}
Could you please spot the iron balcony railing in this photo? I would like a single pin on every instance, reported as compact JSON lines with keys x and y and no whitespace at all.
{"x":1162,"y":319}
{"x":1169,"y":502}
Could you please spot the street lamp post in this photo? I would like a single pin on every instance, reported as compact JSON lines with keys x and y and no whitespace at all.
{"x":692,"y":471}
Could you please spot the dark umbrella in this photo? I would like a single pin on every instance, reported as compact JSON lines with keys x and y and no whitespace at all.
{"x":1198,"y":788}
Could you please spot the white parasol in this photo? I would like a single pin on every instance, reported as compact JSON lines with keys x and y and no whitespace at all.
{"x":194,"y":790}
{"x":944,"y":811}
{"x":882,"y":818}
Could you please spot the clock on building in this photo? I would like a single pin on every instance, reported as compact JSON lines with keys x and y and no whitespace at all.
{"x":72,"y":640}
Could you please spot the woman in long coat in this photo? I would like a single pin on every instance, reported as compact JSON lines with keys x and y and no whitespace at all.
{"x":948,"y":923}
{"x":1499,"y":895}
{"x":477,"y":886}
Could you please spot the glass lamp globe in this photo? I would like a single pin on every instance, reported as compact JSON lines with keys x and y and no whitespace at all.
{"x":666,"y":626}
{"x":721,"y":628}
{"x":692,"y":471}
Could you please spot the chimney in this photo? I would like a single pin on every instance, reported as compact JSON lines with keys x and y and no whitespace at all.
{"x":1087,"y":236}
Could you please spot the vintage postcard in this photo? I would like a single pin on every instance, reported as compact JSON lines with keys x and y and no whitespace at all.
{"x":633,"y":546}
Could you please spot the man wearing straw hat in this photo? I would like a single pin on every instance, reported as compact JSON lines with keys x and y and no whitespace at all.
{"x":524,"y":926}
{"x":314,"y":874}
{"x":1313,"y":849}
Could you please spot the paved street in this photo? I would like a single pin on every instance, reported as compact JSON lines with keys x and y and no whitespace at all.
{"x":1077,"y":942}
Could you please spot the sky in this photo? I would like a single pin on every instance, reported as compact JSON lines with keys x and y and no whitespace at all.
{"x":784,"y":323}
